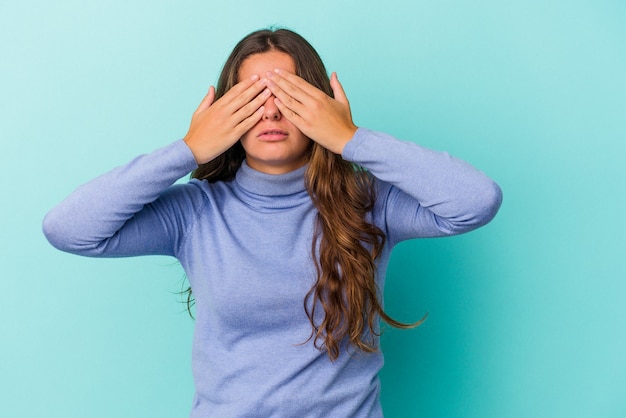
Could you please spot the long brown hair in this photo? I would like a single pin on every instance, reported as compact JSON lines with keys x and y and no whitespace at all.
{"x":345,"y":243}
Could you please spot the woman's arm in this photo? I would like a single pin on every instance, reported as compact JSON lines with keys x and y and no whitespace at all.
{"x":433,"y":193}
{"x":132,"y":210}
{"x":115,"y":214}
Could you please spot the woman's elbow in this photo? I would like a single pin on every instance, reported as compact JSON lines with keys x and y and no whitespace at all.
{"x":53,"y":230}
{"x":490,"y":200}
{"x":59,"y":231}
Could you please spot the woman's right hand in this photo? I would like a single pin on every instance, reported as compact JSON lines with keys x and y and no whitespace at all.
{"x":215,"y":127}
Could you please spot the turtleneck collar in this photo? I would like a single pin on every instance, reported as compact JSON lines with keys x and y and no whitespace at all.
{"x":271,"y":191}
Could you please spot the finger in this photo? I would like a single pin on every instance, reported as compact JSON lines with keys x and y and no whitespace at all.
{"x":242,"y":93}
{"x":298,"y":82}
{"x":289,"y":113}
{"x":286,"y":100}
{"x":338,"y":91}
{"x":248,"y":109}
{"x":246,"y":124}
{"x":294,"y":86}
{"x":242,"y":85}
{"x":207,"y":101}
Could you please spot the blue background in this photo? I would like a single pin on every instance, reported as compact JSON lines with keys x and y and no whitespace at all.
{"x":526,"y":314}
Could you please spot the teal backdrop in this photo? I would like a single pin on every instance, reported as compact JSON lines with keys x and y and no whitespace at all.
{"x":526,"y":316}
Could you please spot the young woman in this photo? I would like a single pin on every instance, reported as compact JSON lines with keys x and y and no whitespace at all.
{"x":284,"y":231}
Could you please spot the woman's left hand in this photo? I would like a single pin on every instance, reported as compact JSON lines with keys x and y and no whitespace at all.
{"x":325,"y":120}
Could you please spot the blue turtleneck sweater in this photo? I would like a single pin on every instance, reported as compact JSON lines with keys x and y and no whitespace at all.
{"x":245,"y":246}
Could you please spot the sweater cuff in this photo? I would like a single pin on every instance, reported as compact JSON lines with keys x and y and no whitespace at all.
{"x":350,"y":149}
{"x":183,"y":155}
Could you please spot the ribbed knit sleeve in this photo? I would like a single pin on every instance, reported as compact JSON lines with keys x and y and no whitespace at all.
{"x":114,"y":214}
{"x":423,"y":193}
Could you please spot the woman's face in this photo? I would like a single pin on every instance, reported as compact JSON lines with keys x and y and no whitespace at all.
{"x":274,"y":145}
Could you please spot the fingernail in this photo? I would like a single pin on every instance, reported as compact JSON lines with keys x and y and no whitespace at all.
{"x":254,"y":77}
{"x":266,"y":92}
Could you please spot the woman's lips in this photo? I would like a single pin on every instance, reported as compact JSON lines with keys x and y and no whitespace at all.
{"x":272,"y":135}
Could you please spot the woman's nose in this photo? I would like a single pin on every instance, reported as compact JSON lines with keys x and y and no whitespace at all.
{"x":271,"y":111}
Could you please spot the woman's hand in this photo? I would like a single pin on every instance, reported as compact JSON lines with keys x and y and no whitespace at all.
{"x":215,"y":127}
{"x":325,"y":120}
